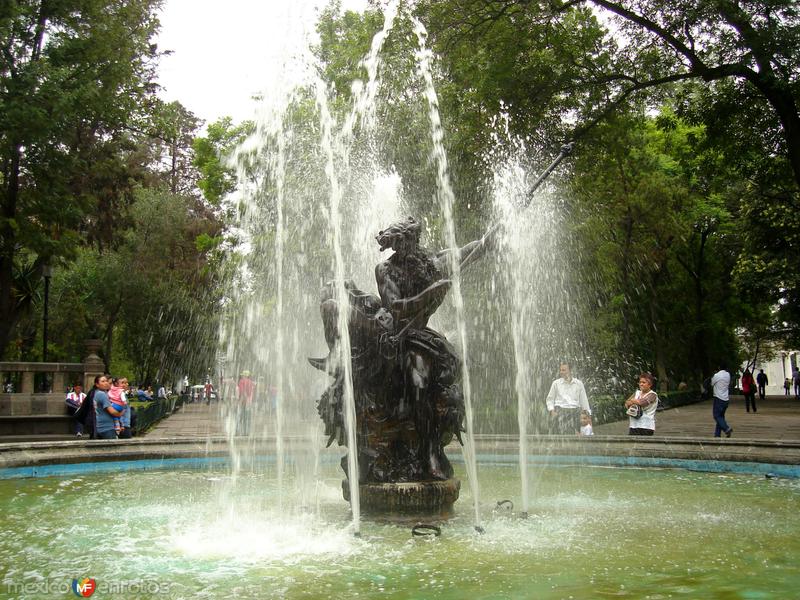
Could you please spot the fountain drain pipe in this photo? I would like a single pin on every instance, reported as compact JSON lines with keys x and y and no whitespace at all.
{"x":509,"y":505}
{"x":506,"y":504}
{"x":426,"y":529}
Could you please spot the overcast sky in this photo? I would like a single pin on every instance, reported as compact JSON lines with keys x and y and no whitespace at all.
{"x":224,"y":52}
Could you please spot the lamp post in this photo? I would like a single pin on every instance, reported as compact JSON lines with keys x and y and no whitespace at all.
{"x":47,"y":271}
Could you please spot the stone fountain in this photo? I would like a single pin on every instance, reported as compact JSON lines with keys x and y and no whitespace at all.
{"x":406,"y":376}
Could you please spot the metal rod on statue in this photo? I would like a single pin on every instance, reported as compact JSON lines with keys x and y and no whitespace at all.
{"x":566,"y":150}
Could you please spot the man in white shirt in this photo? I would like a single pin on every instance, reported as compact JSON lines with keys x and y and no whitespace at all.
{"x":565,"y":401}
{"x":720,"y":383}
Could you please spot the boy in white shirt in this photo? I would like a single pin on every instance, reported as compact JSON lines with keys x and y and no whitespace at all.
{"x":586,"y":424}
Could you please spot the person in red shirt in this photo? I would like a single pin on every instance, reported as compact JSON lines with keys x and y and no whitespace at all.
{"x":749,"y":390}
{"x":245,"y":391}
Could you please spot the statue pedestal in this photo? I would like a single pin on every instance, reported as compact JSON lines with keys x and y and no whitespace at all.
{"x":422,"y":497}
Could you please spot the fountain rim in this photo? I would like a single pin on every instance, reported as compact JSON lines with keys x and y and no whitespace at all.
{"x":762,"y":457}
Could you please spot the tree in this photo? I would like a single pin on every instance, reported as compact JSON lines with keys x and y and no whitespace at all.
{"x":171,"y":139}
{"x":651,"y":44}
{"x":211,"y":154}
{"x":653,"y":212}
{"x":74,"y":75}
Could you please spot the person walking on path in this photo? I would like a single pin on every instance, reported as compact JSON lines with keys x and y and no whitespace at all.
{"x":208,"y":388}
{"x":763,"y":382}
{"x":787,"y":385}
{"x":245,"y":391}
{"x":796,"y":380}
{"x":749,"y":390}
{"x":565,"y":401}
{"x":720,"y":382}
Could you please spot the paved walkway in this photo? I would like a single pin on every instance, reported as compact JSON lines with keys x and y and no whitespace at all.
{"x":192,"y":420}
{"x":778,"y":418}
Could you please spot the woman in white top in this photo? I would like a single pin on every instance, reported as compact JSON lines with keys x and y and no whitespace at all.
{"x":646,"y":399}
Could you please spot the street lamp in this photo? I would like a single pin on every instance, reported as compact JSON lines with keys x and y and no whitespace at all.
{"x":47,"y":271}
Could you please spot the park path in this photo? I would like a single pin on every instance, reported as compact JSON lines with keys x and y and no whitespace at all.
{"x":778,"y":418}
{"x":195,"y":419}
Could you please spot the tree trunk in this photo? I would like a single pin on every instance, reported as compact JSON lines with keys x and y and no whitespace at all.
{"x":658,"y":339}
{"x":701,"y":352}
{"x":8,"y":313}
{"x":626,"y":287}
{"x":112,"y":320}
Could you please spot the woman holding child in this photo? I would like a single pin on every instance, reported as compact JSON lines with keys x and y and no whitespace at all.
{"x":641,"y":407}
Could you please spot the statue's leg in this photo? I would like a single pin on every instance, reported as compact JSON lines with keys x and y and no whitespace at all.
{"x":418,"y":369}
{"x":330,"y":321}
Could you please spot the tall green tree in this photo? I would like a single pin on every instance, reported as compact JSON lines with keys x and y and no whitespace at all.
{"x":75,"y":75}
{"x":655,"y":217}
{"x":754,"y":47}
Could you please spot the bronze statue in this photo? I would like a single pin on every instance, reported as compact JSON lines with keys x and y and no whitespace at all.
{"x":408,"y":400}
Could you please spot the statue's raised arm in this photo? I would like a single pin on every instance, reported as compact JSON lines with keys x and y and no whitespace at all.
{"x":469,"y":253}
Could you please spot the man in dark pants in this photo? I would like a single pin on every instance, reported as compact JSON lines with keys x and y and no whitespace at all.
{"x":763,"y":382}
{"x":565,"y":401}
{"x":720,"y":383}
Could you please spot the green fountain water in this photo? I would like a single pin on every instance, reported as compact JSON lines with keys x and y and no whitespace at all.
{"x":592,"y":532}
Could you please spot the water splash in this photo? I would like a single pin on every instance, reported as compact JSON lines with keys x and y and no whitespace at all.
{"x":446,"y":198}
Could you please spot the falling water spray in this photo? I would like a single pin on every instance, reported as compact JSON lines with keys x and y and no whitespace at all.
{"x":446,"y":200}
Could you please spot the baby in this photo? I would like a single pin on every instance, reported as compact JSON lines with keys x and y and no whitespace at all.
{"x":586,"y":424}
{"x":118,"y":402}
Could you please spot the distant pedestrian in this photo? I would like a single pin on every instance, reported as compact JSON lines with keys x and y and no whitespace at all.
{"x":273,"y":399}
{"x":245,"y":391}
{"x":787,"y":385}
{"x":208,"y":389}
{"x":749,"y":390}
{"x":720,"y":383}
{"x":565,"y":400}
{"x":641,"y":407}
{"x":796,"y":379}
{"x":74,"y":401}
{"x":763,"y":382}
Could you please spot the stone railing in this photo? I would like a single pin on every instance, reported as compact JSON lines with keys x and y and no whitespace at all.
{"x":61,"y":375}
{"x":28,"y":412}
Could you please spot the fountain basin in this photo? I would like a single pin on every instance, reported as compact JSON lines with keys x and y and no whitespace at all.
{"x":194,"y":530}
